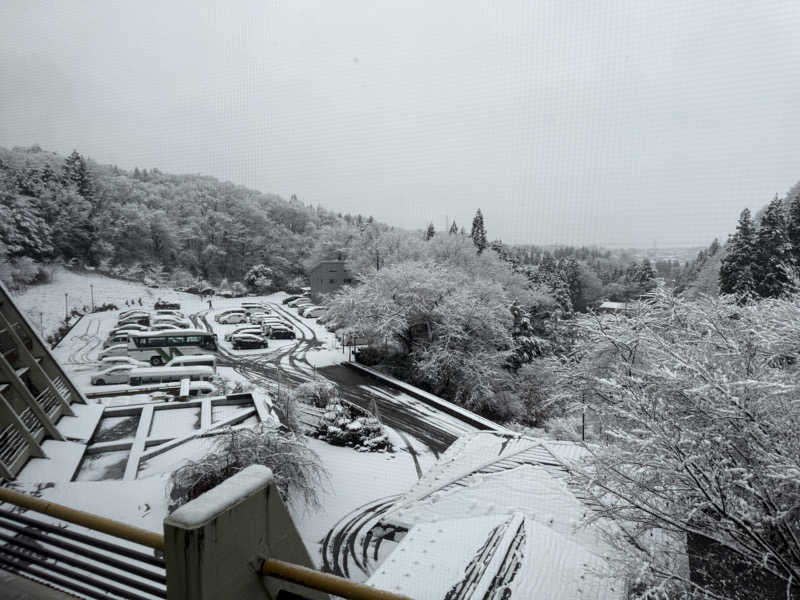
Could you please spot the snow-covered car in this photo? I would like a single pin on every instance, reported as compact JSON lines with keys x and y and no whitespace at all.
{"x":129,"y":327}
{"x":113,"y":361}
{"x":117,"y":374}
{"x":137,"y":318}
{"x":230,"y":311}
{"x":161,"y":305}
{"x":226,"y":294}
{"x":304,"y":311}
{"x":247,"y":341}
{"x":245,"y":329}
{"x":281,"y":332}
{"x":194,"y":360}
{"x":301,"y":301}
{"x":291,"y":298}
{"x":172,"y":321}
{"x":251,"y":307}
{"x":232,"y":318}
{"x":117,"y":338}
{"x":169,"y":312}
{"x":259,"y":317}
{"x":118,"y":350}
{"x":314,"y":312}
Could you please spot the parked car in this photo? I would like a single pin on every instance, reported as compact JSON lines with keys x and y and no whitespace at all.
{"x":117,"y":350}
{"x":314,"y":312}
{"x":230,"y":311}
{"x":169,"y":312}
{"x":254,"y":306}
{"x":113,"y":361}
{"x":290,"y":298}
{"x":232,"y":318}
{"x":300,"y":302}
{"x":247,"y":341}
{"x":208,"y":291}
{"x":118,"y":338}
{"x":226,"y":294}
{"x":194,"y":360}
{"x":245,"y":329}
{"x":192,"y":289}
{"x":259,"y":317}
{"x":116,"y":374}
{"x":129,"y":327}
{"x":307,"y":308}
{"x":166,"y":305}
{"x":135,"y":318}
{"x":281,"y":332}
{"x":173,"y":322}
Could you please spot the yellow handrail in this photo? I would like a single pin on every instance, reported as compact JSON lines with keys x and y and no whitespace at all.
{"x":279,"y":569}
{"x":325,"y":582}
{"x":85,"y":519}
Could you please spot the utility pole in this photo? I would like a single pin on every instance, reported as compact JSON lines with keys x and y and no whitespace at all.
{"x":66,"y":309}
{"x":91,"y":291}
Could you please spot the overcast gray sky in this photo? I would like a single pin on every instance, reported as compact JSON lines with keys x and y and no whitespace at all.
{"x":621,"y":123}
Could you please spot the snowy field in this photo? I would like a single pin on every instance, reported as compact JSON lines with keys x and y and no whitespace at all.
{"x":356,"y":479}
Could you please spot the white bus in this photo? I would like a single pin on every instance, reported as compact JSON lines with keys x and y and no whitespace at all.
{"x":159,"y":347}
{"x":156,"y":376}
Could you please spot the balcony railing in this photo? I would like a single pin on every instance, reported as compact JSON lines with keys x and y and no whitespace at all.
{"x":12,"y":444}
{"x":144,"y":578}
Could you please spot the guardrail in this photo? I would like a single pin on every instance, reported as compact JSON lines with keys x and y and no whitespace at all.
{"x":198,"y":565}
{"x":459,"y":412}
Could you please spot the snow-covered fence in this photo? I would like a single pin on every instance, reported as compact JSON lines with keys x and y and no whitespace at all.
{"x":449,"y":408}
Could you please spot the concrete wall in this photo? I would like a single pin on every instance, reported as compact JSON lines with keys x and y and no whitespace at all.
{"x":214,"y":544}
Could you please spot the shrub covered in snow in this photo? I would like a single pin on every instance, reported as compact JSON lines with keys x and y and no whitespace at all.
{"x":341,"y":426}
{"x":295,"y":467}
{"x":315,"y":393}
{"x":19,"y":273}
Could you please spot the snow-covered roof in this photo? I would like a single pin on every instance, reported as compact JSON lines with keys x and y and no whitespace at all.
{"x":613,"y":306}
{"x":486,"y":476}
{"x":494,"y":556}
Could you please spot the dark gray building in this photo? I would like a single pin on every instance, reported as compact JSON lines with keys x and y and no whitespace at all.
{"x":327,"y":276}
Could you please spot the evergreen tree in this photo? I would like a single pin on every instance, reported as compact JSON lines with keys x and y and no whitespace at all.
{"x":478,"y":233}
{"x":773,"y":259}
{"x":793,"y":229}
{"x":646,"y":273}
{"x":430,"y":232}
{"x":735,"y":273}
{"x":453,"y":229}
{"x":76,"y":172}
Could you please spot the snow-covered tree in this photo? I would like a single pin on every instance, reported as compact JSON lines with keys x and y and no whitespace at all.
{"x":736,"y":272}
{"x":259,"y":278}
{"x":478,"y":233}
{"x":430,"y":232}
{"x":772,"y":262}
{"x":694,"y":408}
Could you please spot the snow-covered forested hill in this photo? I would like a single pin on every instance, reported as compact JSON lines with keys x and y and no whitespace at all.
{"x":54,"y":207}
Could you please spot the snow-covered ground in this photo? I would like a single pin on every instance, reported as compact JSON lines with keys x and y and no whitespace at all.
{"x":356,"y":479}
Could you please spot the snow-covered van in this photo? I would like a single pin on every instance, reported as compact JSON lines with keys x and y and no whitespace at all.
{"x":194,"y":360}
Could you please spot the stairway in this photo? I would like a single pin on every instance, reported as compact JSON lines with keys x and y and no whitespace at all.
{"x":34,"y":391}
